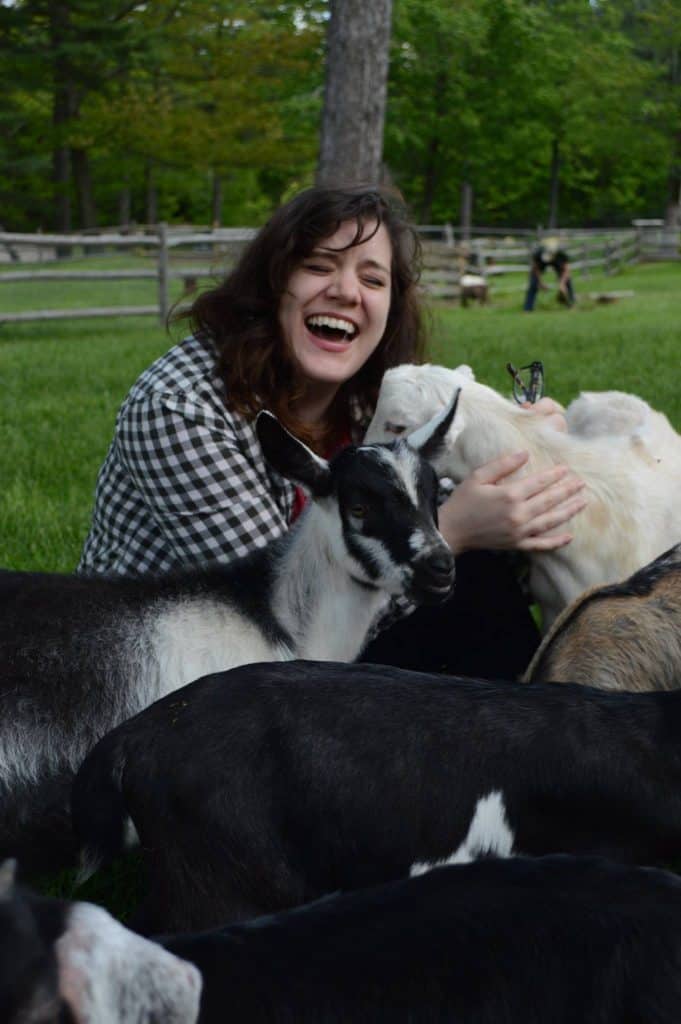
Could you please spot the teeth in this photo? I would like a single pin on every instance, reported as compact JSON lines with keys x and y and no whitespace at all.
{"x":332,"y":321}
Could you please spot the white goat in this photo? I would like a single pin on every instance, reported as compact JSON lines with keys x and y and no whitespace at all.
{"x":627,"y":453}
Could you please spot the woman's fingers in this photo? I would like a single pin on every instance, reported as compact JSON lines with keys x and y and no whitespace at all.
{"x":554,"y":496}
{"x":493,"y":509}
{"x":539,"y":533}
{"x":498,"y":469}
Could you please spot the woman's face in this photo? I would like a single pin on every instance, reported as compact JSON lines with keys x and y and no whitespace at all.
{"x":335,"y":308}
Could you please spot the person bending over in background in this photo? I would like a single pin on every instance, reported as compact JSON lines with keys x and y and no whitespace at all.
{"x":542,"y":258}
{"x":320,"y":304}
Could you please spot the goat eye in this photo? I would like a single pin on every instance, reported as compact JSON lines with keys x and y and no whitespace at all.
{"x":358,"y":511}
{"x":394,"y":428}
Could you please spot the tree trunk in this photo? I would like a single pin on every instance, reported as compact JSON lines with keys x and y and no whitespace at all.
{"x":672,"y":216}
{"x":431,"y":177}
{"x":124,"y":208}
{"x":87,"y":211}
{"x":151,"y":194}
{"x":358,"y":39}
{"x":429,"y":181}
{"x":466,"y":210}
{"x":62,"y":104}
{"x":555,"y":182}
{"x":216,"y":202}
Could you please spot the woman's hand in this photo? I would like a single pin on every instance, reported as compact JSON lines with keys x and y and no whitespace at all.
{"x":489,"y":510}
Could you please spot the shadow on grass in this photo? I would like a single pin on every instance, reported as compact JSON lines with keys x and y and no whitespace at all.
{"x":118,"y":888}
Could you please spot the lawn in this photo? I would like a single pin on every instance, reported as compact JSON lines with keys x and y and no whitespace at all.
{"x":64,"y":380}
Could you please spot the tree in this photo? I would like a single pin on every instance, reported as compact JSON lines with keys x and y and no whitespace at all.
{"x":655,"y":31}
{"x":351,"y":147}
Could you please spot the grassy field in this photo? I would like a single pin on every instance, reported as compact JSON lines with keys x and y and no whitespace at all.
{"x":64,"y":380}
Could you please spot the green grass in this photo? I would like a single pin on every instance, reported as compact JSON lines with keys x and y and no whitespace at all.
{"x":62,"y":385}
{"x":63,"y":382}
{"x":21,"y":296}
{"x":631,"y":345}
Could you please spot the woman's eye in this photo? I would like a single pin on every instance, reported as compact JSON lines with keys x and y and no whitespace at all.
{"x":358,"y":511}
{"x":317,"y":268}
{"x":374,"y":282}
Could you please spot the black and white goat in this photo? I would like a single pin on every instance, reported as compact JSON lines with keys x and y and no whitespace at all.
{"x":80,"y":655}
{"x":627,"y":454}
{"x":625,"y":636}
{"x":522,"y":941}
{"x":72,"y":963}
{"x":270,"y":785}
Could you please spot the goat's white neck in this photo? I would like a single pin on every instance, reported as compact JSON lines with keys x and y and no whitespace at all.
{"x":316,"y":598}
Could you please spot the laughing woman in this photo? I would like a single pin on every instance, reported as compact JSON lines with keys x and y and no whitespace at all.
{"x":321,"y":303}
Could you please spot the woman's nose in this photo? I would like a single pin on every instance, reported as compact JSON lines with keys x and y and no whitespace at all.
{"x":344,"y":285}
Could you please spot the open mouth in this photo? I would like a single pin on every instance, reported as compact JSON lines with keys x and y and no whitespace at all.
{"x":331,"y":328}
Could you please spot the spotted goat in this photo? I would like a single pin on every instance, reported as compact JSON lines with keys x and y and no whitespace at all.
{"x":80,"y":655}
{"x":270,"y":785}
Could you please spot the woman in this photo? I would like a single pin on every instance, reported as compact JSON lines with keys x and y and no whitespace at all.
{"x":321,"y":303}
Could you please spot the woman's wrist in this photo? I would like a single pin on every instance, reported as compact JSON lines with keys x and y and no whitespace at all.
{"x":450,"y":528}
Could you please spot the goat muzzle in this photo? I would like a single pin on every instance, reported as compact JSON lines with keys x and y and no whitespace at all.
{"x":433,"y":577}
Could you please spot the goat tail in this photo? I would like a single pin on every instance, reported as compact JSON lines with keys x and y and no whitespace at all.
{"x":101,"y":822}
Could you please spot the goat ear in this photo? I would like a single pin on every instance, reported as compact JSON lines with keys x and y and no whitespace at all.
{"x":429,"y":439}
{"x":8,"y":870}
{"x":291,"y":457}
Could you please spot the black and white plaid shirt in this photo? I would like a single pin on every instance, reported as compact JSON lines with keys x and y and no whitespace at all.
{"x":184,"y":481}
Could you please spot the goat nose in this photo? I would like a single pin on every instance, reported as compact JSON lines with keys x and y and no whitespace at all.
{"x":433,"y":576}
{"x":441,"y":563}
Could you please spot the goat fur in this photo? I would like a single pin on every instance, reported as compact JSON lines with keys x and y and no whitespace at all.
{"x":627,"y":453}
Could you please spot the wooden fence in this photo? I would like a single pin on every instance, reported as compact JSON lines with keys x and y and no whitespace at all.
{"x":214,"y":244}
{"x":490,"y":252}
{"x":495,"y":254}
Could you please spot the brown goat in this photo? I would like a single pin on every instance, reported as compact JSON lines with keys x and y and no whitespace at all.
{"x":624,"y":636}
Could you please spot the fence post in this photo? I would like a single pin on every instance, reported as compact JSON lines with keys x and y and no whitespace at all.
{"x":163,"y":273}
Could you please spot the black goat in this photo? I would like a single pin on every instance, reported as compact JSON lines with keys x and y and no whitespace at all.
{"x":267,"y":786}
{"x":557,"y":940}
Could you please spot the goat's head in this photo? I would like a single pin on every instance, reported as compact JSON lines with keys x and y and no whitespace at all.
{"x":412,"y":395}
{"x":379,"y":502}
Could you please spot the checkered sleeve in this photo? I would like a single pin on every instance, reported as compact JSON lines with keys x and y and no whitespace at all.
{"x":210,"y":498}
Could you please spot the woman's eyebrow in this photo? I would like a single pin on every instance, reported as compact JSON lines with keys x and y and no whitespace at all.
{"x":335,"y":254}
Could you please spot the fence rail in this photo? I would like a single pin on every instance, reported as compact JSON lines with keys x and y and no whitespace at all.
{"x":490,"y":252}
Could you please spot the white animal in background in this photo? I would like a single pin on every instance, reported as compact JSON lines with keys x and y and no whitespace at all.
{"x":628,"y":455}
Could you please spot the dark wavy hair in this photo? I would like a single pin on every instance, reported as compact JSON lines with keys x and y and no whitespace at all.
{"x":241,"y":315}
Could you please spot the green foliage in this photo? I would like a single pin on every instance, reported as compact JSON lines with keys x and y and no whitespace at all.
{"x":630,"y":345}
{"x":177,"y":94}
{"x":177,"y":91}
{"x":480,"y":91}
